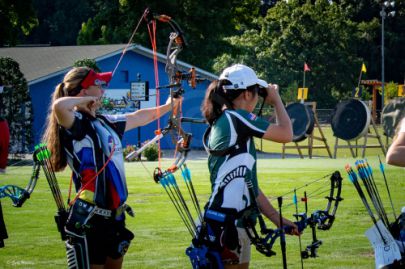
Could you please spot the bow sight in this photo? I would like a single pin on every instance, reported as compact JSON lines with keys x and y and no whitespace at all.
{"x":190,"y":76}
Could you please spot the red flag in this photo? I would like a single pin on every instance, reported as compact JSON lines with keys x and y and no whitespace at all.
{"x":306,"y":67}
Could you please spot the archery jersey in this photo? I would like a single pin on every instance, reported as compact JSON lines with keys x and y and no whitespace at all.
{"x":88,"y":144}
{"x":230,"y":172}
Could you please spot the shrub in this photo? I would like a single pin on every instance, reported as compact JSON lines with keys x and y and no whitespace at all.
{"x":151,"y":153}
{"x":128,"y":149}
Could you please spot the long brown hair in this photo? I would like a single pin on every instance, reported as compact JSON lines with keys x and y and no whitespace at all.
{"x":217,"y":99}
{"x":70,"y":86}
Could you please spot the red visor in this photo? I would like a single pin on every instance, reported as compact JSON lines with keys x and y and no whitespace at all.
{"x":96,"y":79}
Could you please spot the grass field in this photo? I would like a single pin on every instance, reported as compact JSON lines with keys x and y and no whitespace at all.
{"x":161,"y":238}
{"x":268,"y":146}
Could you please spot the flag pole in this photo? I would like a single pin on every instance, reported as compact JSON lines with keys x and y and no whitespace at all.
{"x":361,"y":72}
{"x":303,"y":86}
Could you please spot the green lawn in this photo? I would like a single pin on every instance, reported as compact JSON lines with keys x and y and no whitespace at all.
{"x":268,"y":146}
{"x":161,"y":238}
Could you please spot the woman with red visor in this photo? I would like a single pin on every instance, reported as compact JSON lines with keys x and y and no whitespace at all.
{"x":91,"y":145}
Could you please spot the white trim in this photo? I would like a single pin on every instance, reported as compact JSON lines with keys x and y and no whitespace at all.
{"x":246,"y":122}
{"x":234,"y":135}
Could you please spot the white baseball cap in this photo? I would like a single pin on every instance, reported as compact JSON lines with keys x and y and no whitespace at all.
{"x":241,"y":77}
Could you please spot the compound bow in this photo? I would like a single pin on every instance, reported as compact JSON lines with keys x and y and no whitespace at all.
{"x":320,"y":219}
{"x":176,"y":44}
{"x":19,"y":195}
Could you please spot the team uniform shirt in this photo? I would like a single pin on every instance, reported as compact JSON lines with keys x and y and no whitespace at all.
{"x":93,"y":144}
{"x":231,"y":173}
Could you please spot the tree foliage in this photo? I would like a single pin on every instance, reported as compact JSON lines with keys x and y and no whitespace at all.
{"x":321,"y":33}
{"x":87,"y":63}
{"x":275,"y":37}
{"x":59,"y":21}
{"x":204,"y":22}
{"x":16,"y":17}
{"x":16,"y":105}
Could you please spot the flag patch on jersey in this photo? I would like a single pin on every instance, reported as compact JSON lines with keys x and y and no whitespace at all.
{"x":252,"y":116}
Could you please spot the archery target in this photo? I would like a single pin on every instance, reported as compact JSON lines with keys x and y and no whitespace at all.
{"x":392,"y":114}
{"x":302,"y":119}
{"x":350,"y":120}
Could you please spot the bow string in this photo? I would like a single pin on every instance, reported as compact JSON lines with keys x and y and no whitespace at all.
{"x":319,"y":219}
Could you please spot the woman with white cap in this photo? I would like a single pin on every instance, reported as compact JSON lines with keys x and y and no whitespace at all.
{"x":91,"y":145}
{"x":228,"y":106}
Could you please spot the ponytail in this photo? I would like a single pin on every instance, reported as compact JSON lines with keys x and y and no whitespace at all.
{"x":52,"y":137}
{"x":217,"y":99}
{"x":70,"y":86}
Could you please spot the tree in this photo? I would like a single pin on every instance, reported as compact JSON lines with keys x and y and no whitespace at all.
{"x":366,"y":13}
{"x":205,"y":23}
{"x":293,"y":33}
{"x":87,"y":63}
{"x":59,"y":21}
{"x":16,"y":106}
{"x":16,"y":17}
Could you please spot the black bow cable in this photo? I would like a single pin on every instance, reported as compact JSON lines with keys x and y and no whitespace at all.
{"x":386,"y":185}
{"x":320,"y":219}
{"x":303,"y":186}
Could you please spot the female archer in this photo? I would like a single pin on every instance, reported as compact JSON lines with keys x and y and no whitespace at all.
{"x":91,"y":145}
{"x":227,"y":107}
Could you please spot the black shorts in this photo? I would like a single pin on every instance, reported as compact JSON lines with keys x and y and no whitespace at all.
{"x":107,"y":238}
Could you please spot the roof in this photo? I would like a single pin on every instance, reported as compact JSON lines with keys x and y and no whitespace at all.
{"x":40,"y":63}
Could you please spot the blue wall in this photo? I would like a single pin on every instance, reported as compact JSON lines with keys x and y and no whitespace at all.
{"x":133,"y":63}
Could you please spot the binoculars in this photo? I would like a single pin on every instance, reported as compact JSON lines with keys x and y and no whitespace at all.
{"x":262,"y":92}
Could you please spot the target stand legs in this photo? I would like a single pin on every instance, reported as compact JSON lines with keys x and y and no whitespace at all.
{"x":365,"y":144}
{"x":311,"y":107}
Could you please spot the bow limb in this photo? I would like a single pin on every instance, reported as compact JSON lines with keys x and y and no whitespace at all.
{"x":326,"y":217}
{"x":17,"y":194}
{"x":323,"y":219}
{"x":318,"y":219}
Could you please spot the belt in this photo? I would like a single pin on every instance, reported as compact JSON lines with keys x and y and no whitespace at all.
{"x":115,"y":212}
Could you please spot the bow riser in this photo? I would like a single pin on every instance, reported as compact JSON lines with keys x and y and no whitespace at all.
{"x":319,"y":219}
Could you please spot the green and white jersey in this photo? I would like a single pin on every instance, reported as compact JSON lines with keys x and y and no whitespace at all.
{"x":229,"y":173}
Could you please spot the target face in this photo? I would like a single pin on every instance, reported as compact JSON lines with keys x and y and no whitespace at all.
{"x":350,"y":120}
{"x":302,"y":119}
